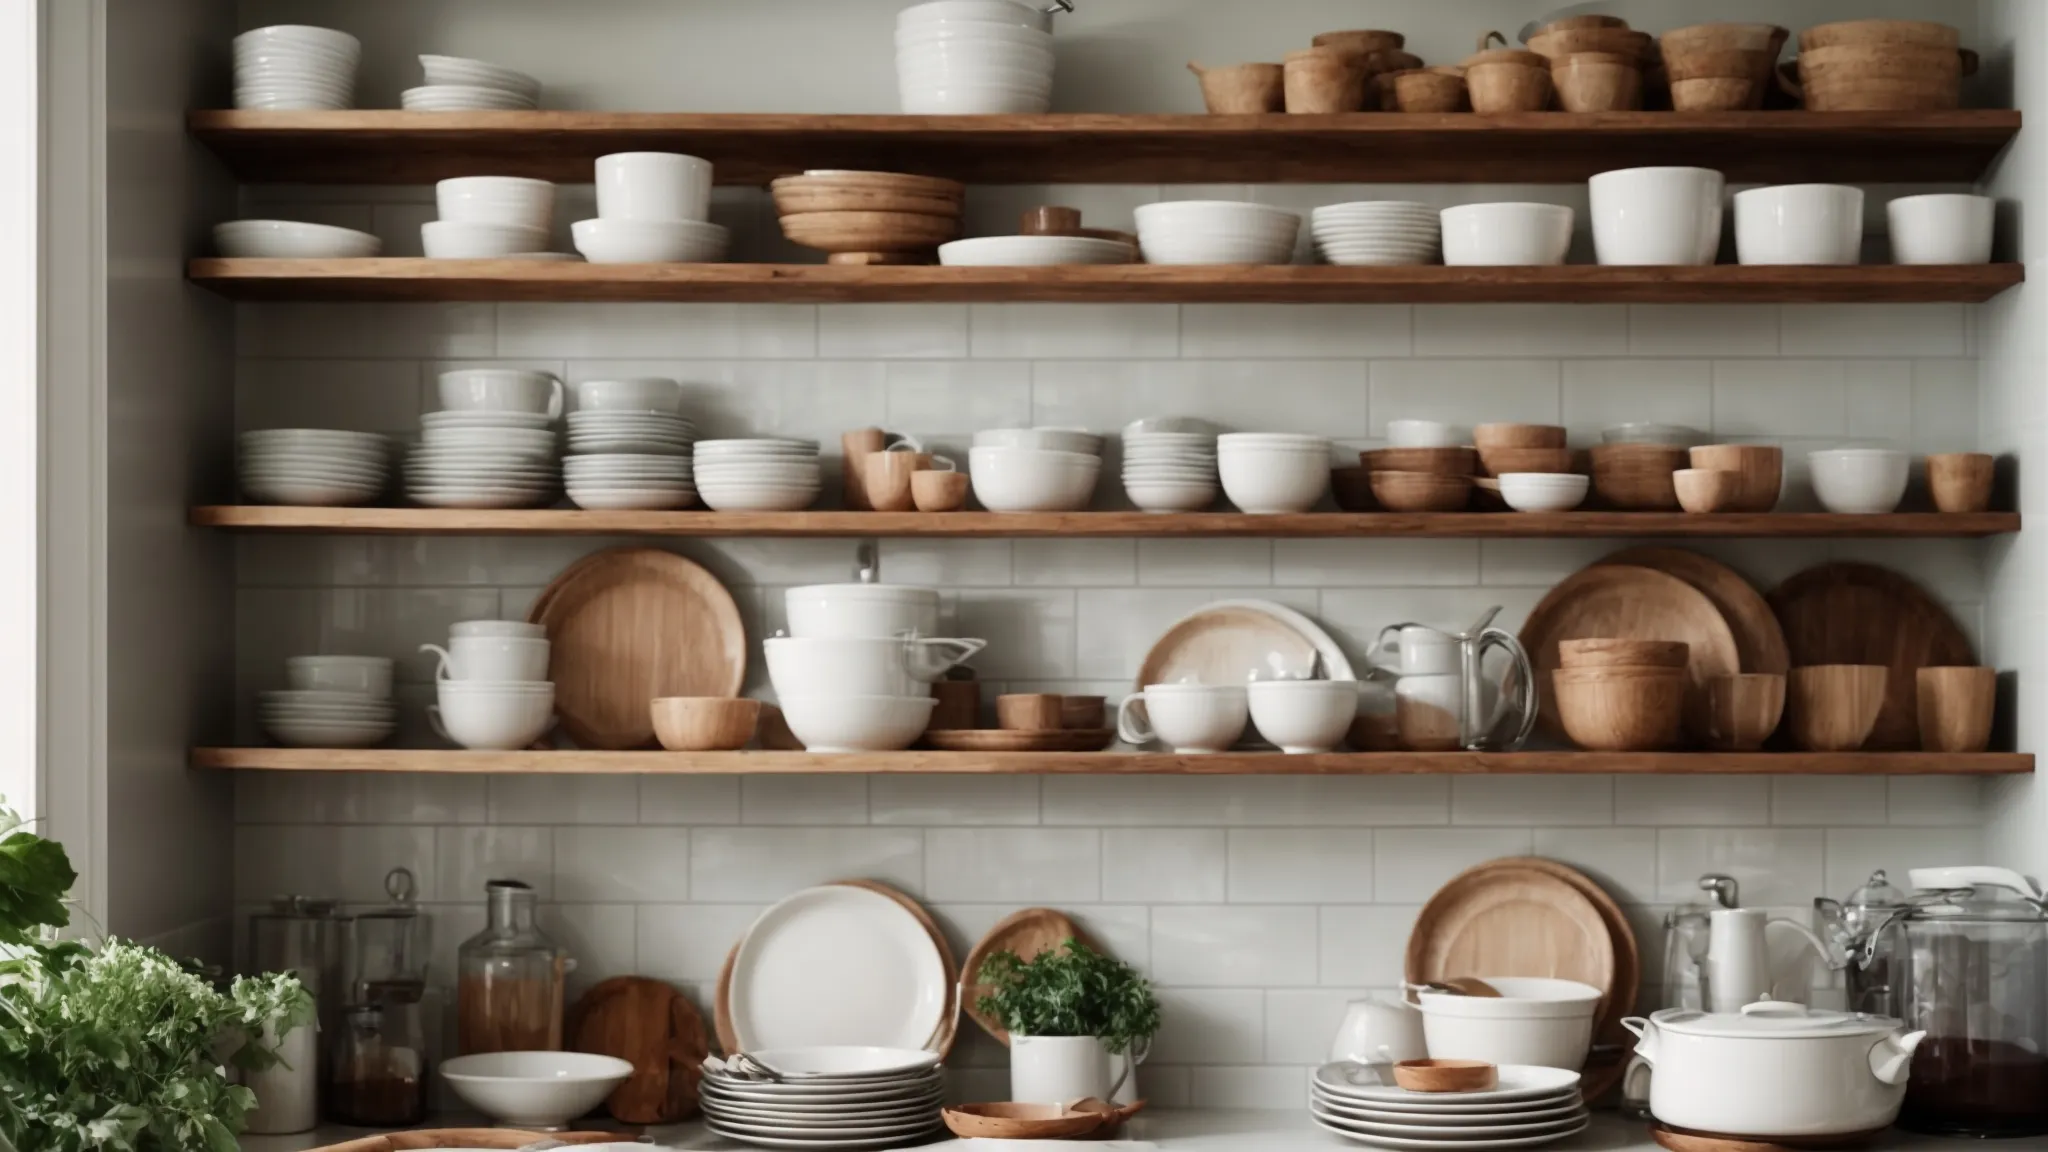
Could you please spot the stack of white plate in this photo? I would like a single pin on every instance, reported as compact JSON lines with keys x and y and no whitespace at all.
{"x":313,"y":466}
{"x":827,"y":1097}
{"x":458,"y":85}
{"x":763,"y":475}
{"x":1381,"y":233}
{"x":973,"y":56}
{"x":489,"y":217}
{"x":1531,"y":1107}
{"x":333,"y":702}
{"x":483,"y":459}
{"x":1034,"y":251}
{"x":629,"y":480}
{"x":1170,"y":471}
{"x":296,"y":67}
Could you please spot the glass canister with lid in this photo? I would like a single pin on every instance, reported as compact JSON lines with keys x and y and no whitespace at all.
{"x":509,"y":988}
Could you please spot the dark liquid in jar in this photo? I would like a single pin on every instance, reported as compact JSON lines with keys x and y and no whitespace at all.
{"x":1969,"y":1087}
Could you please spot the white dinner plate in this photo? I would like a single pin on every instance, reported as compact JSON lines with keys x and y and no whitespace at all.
{"x":613,"y":446}
{"x":825,"y":1096}
{"x":835,"y":965}
{"x":1481,"y":1145}
{"x":1540,"y":1112}
{"x":1474,"y":1131}
{"x":1363,"y":1082}
{"x":852,"y":1144}
{"x":844,"y":1113}
{"x":846,"y":1062}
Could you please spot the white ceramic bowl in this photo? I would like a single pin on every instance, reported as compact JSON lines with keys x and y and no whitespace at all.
{"x":542,"y":1090}
{"x":639,"y":499}
{"x":455,"y":240}
{"x":1052,"y":439}
{"x":969,"y":57}
{"x":1861,"y":480}
{"x":975,"y":32}
{"x":966,"y":98}
{"x":1034,"y":251}
{"x":302,"y":36}
{"x":1304,"y":716}
{"x":1662,"y":216}
{"x":292,"y":240}
{"x":974,"y":11}
{"x":462,"y":98}
{"x":1033,"y":479}
{"x":659,"y":187}
{"x":458,"y":70}
{"x":862,"y":666}
{"x":1172,"y":495}
{"x":606,"y":241}
{"x":368,"y":675}
{"x":1535,"y":1020}
{"x":367,"y":444}
{"x":511,"y":200}
{"x":835,"y":610}
{"x":1799,"y":224}
{"x":857,"y":723}
{"x":1543,"y":491}
{"x":720,"y":496}
{"x":1942,"y":228}
{"x":1424,"y":434}
{"x":1506,"y":235}
{"x":1273,"y":478}
{"x":1216,"y":232}
{"x":492,"y":716}
{"x":632,"y":394}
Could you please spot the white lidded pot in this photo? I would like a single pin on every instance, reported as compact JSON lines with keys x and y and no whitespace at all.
{"x":1775,"y":1069}
{"x":849,"y":611}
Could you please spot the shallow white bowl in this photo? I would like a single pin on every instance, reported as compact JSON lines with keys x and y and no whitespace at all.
{"x":513,"y":200}
{"x":1799,"y":224}
{"x":615,"y":241}
{"x":1942,"y":228}
{"x":965,"y":99}
{"x":1032,"y":479}
{"x":1053,"y":439}
{"x":293,"y":240}
{"x":1034,"y":251}
{"x":1172,"y":495}
{"x":534,"y":1089}
{"x":1506,"y":235}
{"x":458,"y":70}
{"x":462,"y":98}
{"x":459,"y":240}
{"x":1543,"y":491}
{"x":751,"y":497}
{"x":1216,"y":232}
{"x":1275,"y":479}
{"x":853,"y":723}
{"x":1859,"y":480}
{"x":632,"y":499}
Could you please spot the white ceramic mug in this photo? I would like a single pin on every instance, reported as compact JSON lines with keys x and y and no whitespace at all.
{"x":500,"y":390}
{"x":1415,"y":650}
{"x":1942,"y":228}
{"x":1060,"y":1069}
{"x":491,"y":658}
{"x":658,"y":186}
{"x":635,"y":394}
{"x":1659,"y":216}
{"x":1429,"y":711}
{"x":1191,"y":719}
{"x":1377,"y":1031}
{"x":514,"y":628}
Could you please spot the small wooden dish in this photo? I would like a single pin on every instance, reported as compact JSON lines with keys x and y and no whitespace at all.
{"x":1955,"y":707}
{"x":1762,"y":467}
{"x":704,"y":723}
{"x":933,"y":491}
{"x":1500,"y":88}
{"x":1442,"y":461}
{"x":1005,"y":1120}
{"x":1743,"y":710}
{"x":1426,"y":90}
{"x":1598,"y":82}
{"x":1706,"y":490}
{"x":1421,"y":491}
{"x":1446,"y":1075}
{"x":1637,"y":477}
{"x":1960,"y":481}
{"x":859,"y":233}
{"x":1834,"y":707}
{"x":1620,"y":709}
{"x":1006,"y":740}
{"x":1241,"y":89}
{"x":1487,"y":436}
{"x":1029,"y":712}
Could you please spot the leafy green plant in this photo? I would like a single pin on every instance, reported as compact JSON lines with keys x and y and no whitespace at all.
{"x":1070,"y":991}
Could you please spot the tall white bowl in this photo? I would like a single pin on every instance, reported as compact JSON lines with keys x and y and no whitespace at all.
{"x":1216,"y":232}
{"x":1799,"y":224}
{"x":1535,"y":1020}
{"x":1941,"y":228}
{"x":1507,"y":234}
{"x":1273,"y":476}
{"x":1657,"y":216}
{"x":512,"y":200}
{"x":857,"y":723}
{"x":1860,"y":480}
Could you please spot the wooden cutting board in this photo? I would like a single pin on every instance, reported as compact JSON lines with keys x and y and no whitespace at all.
{"x":631,"y":624}
{"x":1509,"y":920}
{"x":653,"y":1027}
{"x":1861,"y":614}
{"x":466,"y":1138}
{"x":1759,"y":640}
{"x":1029,"y":933}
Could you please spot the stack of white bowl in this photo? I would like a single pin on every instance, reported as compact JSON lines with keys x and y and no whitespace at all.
{"x":1273,"y":472}
{"x":489,"y":218}
{"x":292,"y":240}
{"x":1170,"y":464}
{"x":333,"y":702}
{"x":295,"y":67}
{"x":652,"y":208}
{"x":629,"y":445}
{"x":1216,"y":232}
{"x":315,"y":467}
{"x":759,"y":475}
{"x":1378,"y":233}
{"x":455,"y":84}
{"x":493,"y":688}
{"x":855,"y":672}
{"x":1035,"y":469}
{"x":957,"y":57}
{"x":492,"y":444}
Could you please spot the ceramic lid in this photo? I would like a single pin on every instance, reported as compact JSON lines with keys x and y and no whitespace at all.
{"x":1773,"y":1019}
{"x":865,"y":592}
{"x":1976,"y":894}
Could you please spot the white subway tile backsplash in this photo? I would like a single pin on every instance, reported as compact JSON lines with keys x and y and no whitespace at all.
{"x":1854,"y":853}
{"x":1074,"y":563}
{"x":465,"y":859}
{"x":1294,"y":331}
{"x":1117,"y":626}
{"x":1365,"y":947}
{"x":1233,"y":946}
{"x":635,"y":331}
{"x":1821,"y":801}
{"x":1164,"y":865}
{"x":1773,"y":865}
{"x":883,"y":331}
{"x":689,"y":799}
{"x":1692,"y":800}
{"x":1937,"y":801}
{"x":1781,"y":399}
{"x":357,"y":395}
{"x":1603,"y":393}
{"x":1703,"y":330}
{"x":686,"y":942}
{"x":1622,"y":860}
{"x":1875,"y":330}
{"x":1034,"y":865}
{"x":951,"y":801}
{"x":622,"y":864}
{"x":1521,"y":330}
{"x":1464,"y":392}
{"x":1264,"y":1087}
{"x":1520,"y":800}
{"x":1301,"y":1023}
{"x":537,"y":799}
{"x":1209,"y":1025}
{"x":960,"y":396}
{"x":348,"y":331}
{"x":600,"y":936}
{"x":764,"y":864}
{"x":1075,"y":331}
{"x":1409,"y":864}
{"x":1204,"y":563}
{"x":1270,"y":801}
{"x":1300,"y":866}
{"x":1369,"y":563}
{"x":1945,"y":406}
{"x":341,"y":861}
{"x":1308,"y":397}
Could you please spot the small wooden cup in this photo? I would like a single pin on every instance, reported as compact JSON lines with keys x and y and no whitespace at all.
{"x":1603,"y":652}
{"x":1833,"y":707}
{"x":1501,"y":88}
{"x":1241,"y":89}
{"x":1030,"y":712}
{"x":1762,"y":467}
{"x":1083,"y":712}
{"x":888,"y":477}
{"x":1427,"y":90}
{"x":1955,"y":708}
{"x":1743,"y":710}
{"x":1637,"y":477}
{"x":1320,"y":81}
{"x":935,"y":491}
{"x":1446,"y":1075}
{"x":854,"y":448}
{"x":1718,"y":94}
{"x":1597,"y":82}
{"x":1705,"y":490}
{"x":958,"y":707}
{"x":1489,"y":436}
{"x":704,"y":723}
{"x":1961,"y":481}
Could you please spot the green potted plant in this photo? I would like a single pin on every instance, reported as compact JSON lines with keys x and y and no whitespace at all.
{"x":1069,"y":1011}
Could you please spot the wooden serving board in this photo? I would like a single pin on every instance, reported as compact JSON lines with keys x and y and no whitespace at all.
{"x":1007,"y":740}
{"x":652,"y":1026}
{"x":1759,"y":640}
{"x":466,"y":1138}
{"x":1507,"y":920}
{"x":1847,"y":613}
{"x":1029,"y":933}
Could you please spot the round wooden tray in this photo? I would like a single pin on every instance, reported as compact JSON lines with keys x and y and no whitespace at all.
{"x":1759,"y":640}
{"x":1028,"y":933}
{"x":1686,"y":1140}
{"x":1007,"y":740}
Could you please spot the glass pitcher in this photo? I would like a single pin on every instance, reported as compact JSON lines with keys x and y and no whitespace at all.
{"x":510,"y":979}
{"x":1443,"y":691}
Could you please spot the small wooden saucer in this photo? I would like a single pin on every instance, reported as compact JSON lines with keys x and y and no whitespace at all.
{"x":1687,"y":1140}
{"x":1446,"y":1075}
{"x":1008,"y":740}
{"x":1005,"y":1120}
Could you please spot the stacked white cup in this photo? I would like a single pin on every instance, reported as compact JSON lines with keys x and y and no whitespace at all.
{"x":493,"y":685}
{"x":973,"y":56}
{"x":652,"y":208}
{"x":295,"y":67}
{"x":490,"y":217}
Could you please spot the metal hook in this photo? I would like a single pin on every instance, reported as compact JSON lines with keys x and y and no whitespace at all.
{"x":867,"y":563}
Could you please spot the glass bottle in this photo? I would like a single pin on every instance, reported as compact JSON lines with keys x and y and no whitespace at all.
{"x":509,"y":987}
{"x":391,"y":944}
{"x":380,"y":1064}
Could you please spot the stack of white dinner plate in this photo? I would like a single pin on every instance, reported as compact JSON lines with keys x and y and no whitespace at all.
{"x":296,"y":67}
{"x":483,"y":459}
{"x":982,"y":56}
{"x":458,"y":85}
{"x":1170,"y":471}
{"x":762,"y":475}
{"x":1377,"y":232}
{"x":1531,"y":1107}
{"x":825,"y":1097}
{"x":313,"y":466}
{"x":333,"y":702}
{"x":489,"y":217}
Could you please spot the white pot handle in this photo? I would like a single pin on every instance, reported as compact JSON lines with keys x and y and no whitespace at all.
{"x":1133,"y":723}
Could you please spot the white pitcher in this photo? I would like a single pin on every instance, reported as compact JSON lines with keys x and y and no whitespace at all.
{"x":1737,"y":970}
{"x":1060,"y":1069}
{"x":1377,"y":1031}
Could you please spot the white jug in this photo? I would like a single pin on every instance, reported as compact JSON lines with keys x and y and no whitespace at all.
{"x":1377,"y":1031}
{"x":1737,"y":970}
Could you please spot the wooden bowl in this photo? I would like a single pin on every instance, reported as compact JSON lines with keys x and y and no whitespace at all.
{"x":1242,"y":89}
{"x":1893,"y":33}
{"x":1568,"y":23}
{"x":1487,"y":436}
{"x":1637,"y":477}
{"x":1421,"y":491}
{"x":1620,"y":653}
{"x":799,"y":194}
{"x":1743,"y":710}
{"x":1961,"y":481}
{"x":1083,"y":712}
{"x":1521,"y":56}
{"x":1499,"y":89}
{"x":1704,"y":490}
{"x":1442,"y":461}
{"x":1598,"y":82}
{"x":1620,"y":709}
{"x":1726,"y":94}
{"x":1351,"y":487}
{"x":838,"y":232}
{"x":1762,"y":467}
{"x":1501,"y":461}
{"x":1427,"y":90}
{"x":1363,"y":41}
{"x":1833,"y":707}
{"x":1323,"y":81}
{"x":704,"y":723}
{"x":1446,"y":1075}
{"x":934,"y":491}
{"x":1956,"y":707}
{"x":1562,"y":42}
{"x":1703,"y":38}
{"x":1008,"y":1121}
{"x":1725,"y":64}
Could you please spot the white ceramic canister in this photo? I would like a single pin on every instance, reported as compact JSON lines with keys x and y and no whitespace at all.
{"x":288,"y":1092}
{"x":1059,"y":1069}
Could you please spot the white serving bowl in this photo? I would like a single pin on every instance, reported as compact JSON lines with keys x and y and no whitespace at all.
{"x":971,"y":99}
{"x":613,"y":241}
{"x":543,"y":1090}
{"x":1535,"y":1020}
{"x":1303,"y":716}
{"x":1216,"y":232}
{"x":1675,"y":435}
{"x":1172,"y":495}
{"x":1941,"y":228}
{"x":1034,"y":251}
{"x":653,"y":186}
{"x":635,"y":394}
{"x":301,"y":36}
{"x":861,"y":666}
{"x":458,"y":70}
{"x":492,"y":715}
{"x":1860,"y":480}
{"x":861,"y":610}
{"x":720,"y":496}
{"x":1004,"y":12}
{"x":1270,"y":478}
{"x":1033,"y":479}
{"x":1543,"y":491}
{"x":1799,"y":224}
{"x":1051,"y":439}
{"x":462,"y":98}
{"x":368,"y":675}
{"x":1506,"y":235}
{"x":1660,"y":216}
{"x":639,"y":499}
{"x":456,"y":240}
{"x":857,"y":723}
{"x":292,"y":240}
{"x":1425,"y":434}
{"x":513,"y":200}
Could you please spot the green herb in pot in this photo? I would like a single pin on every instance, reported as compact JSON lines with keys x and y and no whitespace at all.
{"x":1072,"y":990}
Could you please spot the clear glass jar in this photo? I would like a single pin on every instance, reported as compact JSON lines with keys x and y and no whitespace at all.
{"x":510,"y":979}
{"x":380,"y":1065}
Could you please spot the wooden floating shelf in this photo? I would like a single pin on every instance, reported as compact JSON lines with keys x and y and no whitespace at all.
{"x":1442,"y":525}
{"x":395,"y":147}
{"x":1124,"y":763}
{"x":415,"y":279}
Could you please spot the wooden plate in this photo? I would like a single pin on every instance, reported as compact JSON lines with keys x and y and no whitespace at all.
{"x":1028,"y":933}
{"x":1005,"y":740}
{"x":1230,"y":640}
{"x":1861,"y":614}
{"x":631,"y":624}
{"x":463,"y":1138}
{"x":1759,"y":640}
{"x":1504,"y":920}
{"x":1637,"y":604}
{"x":651,"y":1026}
{"x":1686,"y":1140}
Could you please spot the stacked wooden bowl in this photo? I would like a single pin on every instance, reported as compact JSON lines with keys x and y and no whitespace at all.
{"x":1882,"y":66}
{"x":1499,"y":81}
{"x":1596,"y":62}
{"x":1637,"y":477}
{"x":869,"y":217}
{"x":1621,"y":695}
{"x":1721,"y":67}
{"x":1421,"y":479}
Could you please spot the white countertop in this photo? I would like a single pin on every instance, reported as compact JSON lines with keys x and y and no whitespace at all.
{"x":1195,"y":1130}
